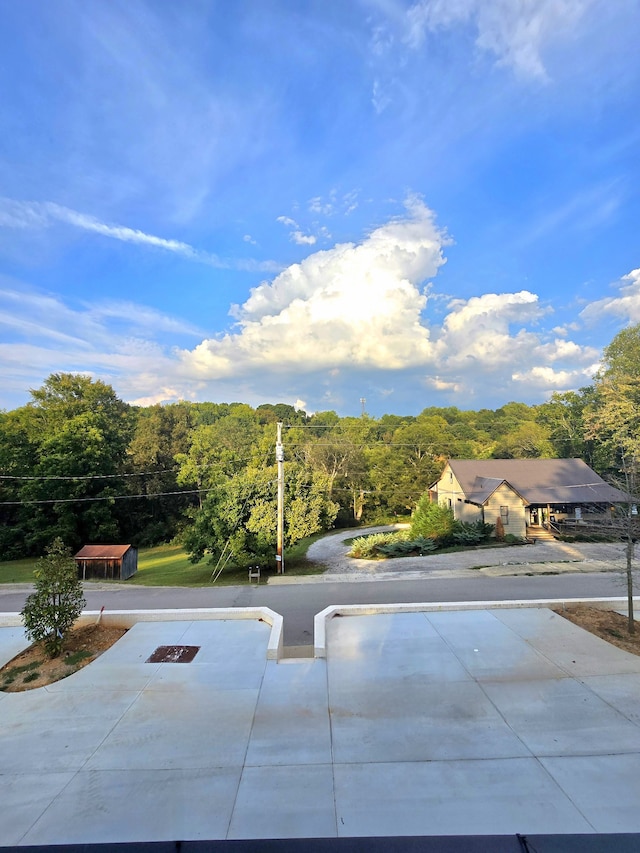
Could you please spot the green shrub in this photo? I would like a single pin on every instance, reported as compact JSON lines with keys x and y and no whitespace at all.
{"x":407,"y":547}
{"x":57,"y":602}
{"x":365,"y":547}
{"x":432,"y":521}
{"x":471,"y":533}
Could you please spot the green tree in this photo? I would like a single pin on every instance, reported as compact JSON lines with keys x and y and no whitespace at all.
{"x":161,"y":433}
{"x":237,"y":521}
{"x":57,"y":602}
{"x":529,"y":440}
{"x":613,"y":420}
{"x":78,"y":432}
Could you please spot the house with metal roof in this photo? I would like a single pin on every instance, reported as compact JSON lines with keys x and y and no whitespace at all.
{"x":524,"y":493}
{"x":107,"y":562}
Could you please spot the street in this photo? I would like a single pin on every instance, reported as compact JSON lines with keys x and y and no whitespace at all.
{"x":298,"y":603}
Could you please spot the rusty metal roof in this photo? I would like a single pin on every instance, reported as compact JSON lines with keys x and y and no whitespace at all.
{"x":102,"y":552}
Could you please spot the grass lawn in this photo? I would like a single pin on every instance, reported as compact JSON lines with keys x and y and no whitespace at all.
{"x":168,"y":565}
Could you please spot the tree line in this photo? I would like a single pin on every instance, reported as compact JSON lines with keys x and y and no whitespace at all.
{"x":78,"y":463}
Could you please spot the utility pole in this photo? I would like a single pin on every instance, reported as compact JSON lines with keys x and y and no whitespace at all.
{"x":363,"y":402}
{"x":280,"y":534}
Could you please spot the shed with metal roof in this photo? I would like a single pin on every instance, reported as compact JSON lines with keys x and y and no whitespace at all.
{"x":107,"y":562}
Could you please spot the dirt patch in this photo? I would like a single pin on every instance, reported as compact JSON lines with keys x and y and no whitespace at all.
{"x":32,"y":668}
{"x":606,"y":624}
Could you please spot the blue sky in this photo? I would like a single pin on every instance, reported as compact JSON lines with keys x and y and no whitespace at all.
{"x":420,"y":203}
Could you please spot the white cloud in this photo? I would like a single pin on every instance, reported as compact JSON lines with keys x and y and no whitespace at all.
{"x":303,"y":239}
{"x":296,"y":235}
{"x":361,"y":308}
{"x":119,"y":342}
{"x":626,"y":305}
{"x":341,"y":324}
{"x":547,"y":379}
{"x":334,"y":203}
{"x":32,"y":214}
{"x":516,"y":33}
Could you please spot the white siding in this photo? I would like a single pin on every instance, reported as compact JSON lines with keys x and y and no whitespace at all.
{"x":450,"y":494}
{"x":504,"y":496}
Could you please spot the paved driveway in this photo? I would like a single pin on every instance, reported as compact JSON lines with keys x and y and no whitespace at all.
{"x":487,"y":722}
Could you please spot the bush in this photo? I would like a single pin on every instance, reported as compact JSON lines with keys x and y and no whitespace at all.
{"x":432,"y":521}
{"x":57,"y":602}
{"x":366,"y":547}
{"x":405,"y":547}
{"x":473,"y":533}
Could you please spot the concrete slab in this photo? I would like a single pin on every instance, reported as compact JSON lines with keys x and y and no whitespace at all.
{"x":605,"y":787}
{"x":139,"y":805}
{"x":197,"y":728}
{"x":12,"y":642}
{"x":285,"y":802}
{"x":390,"y":646}
{"x":24,"y":797}
{"x":489,"y":650}
{"x":452,"y":798}
{"x":416,"y":723}
{"x":291,"y":724}
{"x":621,"y":692}
{"x":572,"y":648}
{"x":563,"y":717}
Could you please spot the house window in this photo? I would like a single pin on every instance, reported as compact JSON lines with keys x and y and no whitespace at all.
{"x":450,"y":504}
{"x":451,"y":476}
{"x":504,"y":514}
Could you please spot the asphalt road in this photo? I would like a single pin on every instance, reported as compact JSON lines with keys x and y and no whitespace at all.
{"x":298,"y":603}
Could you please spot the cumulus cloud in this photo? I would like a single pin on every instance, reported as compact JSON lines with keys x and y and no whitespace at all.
{"x":516,"y":33}
{"x":625,"y":305}
{"x":32,"y":214}
{"x":343,"y":323}
{"x":352,"y":305}
{"x":363,"y":309}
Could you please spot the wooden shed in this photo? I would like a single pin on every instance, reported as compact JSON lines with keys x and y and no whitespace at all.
{"x":107,"y":562}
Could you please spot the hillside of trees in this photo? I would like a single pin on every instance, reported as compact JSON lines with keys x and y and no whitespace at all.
{"x":78,"y":463}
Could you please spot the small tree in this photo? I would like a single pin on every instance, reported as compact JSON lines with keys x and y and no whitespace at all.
{"x":499,"y":529}
{"x":57,"y":602}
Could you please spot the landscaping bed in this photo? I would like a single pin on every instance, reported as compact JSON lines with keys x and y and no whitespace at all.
{"x":32,"y":668}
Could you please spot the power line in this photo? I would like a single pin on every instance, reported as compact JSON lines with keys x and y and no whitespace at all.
{"x":86,"y":476}
{"x":108,"y":498}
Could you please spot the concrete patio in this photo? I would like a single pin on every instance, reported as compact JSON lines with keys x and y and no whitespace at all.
{"x":479,"y":721}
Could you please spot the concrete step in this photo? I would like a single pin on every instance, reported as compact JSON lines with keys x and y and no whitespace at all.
{"x":536,"y":531}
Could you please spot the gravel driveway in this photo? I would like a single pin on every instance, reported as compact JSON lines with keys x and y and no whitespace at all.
{"x":331,"y":552}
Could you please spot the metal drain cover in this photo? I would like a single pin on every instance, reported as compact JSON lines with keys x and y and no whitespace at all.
{"x":174,"y":654}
